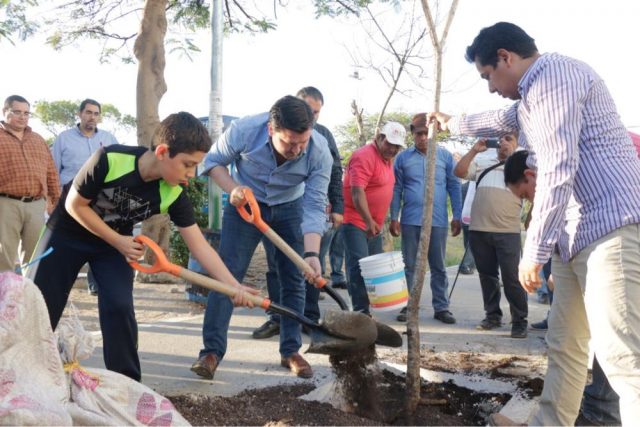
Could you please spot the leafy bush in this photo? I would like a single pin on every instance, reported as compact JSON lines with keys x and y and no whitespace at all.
{"x":198,"y":195}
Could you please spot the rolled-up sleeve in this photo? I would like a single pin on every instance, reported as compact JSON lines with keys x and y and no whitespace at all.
{"x":315,"y":193}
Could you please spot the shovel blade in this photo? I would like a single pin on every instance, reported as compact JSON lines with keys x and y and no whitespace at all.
{"x":341,"y":332}
{"x":387,"y":336}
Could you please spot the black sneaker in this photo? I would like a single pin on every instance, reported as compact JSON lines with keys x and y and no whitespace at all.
{"x":465,"y":269}
{"x":339,"y":285}
{"x":488,"y":324}
{"x":402,"y":316}
{"x":445,"y":317}
{"x":267,"y":330}
{"x":519,"y":329}
{"x":542,"y":325}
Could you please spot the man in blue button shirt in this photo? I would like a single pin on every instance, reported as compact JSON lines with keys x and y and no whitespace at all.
{"x":271,"y":327}
{"x":287,"y":165}
{"x":408,"y":193}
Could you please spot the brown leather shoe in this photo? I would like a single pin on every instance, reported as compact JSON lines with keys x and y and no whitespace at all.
{"x":297,"y":365}
{"x":206,"y":366}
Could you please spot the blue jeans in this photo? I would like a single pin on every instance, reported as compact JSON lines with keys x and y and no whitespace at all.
{"x":357,"y":246}
{"x":600,"y":403}
{"x":312,"y":294}
{"x":437,"y":250}
{"x":325,"y":245}
{"x":238,"y":242}
{"x":336,"y":256}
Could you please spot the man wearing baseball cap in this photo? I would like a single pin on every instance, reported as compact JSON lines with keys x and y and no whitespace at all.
{"x":367,"y":190}
{"x":408,"y":195}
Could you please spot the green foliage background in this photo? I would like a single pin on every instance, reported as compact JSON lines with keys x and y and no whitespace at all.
{"x":197,"y":194}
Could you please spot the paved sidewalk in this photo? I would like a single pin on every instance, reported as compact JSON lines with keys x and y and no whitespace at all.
{"x":169,"y":343}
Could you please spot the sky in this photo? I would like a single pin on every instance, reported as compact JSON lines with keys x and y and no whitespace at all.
{"x":306,"y":51}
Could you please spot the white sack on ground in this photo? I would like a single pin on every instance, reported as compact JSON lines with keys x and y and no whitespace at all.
{"x":33,"y":385}
{"x":82,"y":397}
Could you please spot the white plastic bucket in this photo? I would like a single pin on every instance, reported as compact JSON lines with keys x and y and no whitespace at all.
{"x":384,"y":278}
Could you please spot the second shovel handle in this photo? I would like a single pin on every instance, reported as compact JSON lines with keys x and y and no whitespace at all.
{"x":293,"y":255}
{"x":223,"y":288}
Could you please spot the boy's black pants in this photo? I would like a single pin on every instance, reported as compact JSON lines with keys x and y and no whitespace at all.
{"x":55,"y":275}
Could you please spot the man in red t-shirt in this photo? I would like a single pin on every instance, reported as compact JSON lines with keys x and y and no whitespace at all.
{"x":367,"y":190}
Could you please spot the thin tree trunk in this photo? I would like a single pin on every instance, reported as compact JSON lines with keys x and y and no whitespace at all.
{"x":150,"y":87}
{"x":413,"y":327}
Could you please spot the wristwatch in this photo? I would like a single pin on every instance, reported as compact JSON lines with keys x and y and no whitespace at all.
{"x":311,"y":254}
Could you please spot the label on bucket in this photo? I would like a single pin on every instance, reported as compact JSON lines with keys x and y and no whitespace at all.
{"x":387,"y":292}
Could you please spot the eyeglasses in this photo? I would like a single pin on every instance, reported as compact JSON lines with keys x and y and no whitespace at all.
{"x":26,"y":114}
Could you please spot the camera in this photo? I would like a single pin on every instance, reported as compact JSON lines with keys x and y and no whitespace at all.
{"x":492,"y":142}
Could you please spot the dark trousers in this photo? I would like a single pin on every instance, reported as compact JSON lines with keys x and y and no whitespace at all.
{"x":336,"y":256}
{"x":600,"y":403}
{"x":493,"y":251}
{"x":55,"y":275}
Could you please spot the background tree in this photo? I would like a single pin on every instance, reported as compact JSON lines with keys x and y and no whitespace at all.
{"x":394,"y":50}
{"x":14,"y":21}
{"x":58,"y":116}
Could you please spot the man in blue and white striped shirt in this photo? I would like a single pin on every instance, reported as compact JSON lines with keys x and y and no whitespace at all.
{"x":587,"y":207}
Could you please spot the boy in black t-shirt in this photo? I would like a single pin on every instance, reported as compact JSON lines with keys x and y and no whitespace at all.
{"x":116,"y":188}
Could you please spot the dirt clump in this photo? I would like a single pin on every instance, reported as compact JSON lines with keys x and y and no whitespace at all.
{"x":357,"y":380}
{"x":268,"y":406}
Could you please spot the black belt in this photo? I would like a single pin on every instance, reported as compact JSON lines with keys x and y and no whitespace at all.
{"x":26,"y":199}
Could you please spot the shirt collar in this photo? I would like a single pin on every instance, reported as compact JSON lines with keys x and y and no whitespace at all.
{"x":6,"y":129}
{"x":529,"y":76}
{"x":80,"y":132}
{"x":415,"y":150}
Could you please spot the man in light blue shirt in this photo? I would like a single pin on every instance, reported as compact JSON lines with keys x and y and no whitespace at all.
{"x":287,"y":165}
{"x":408,"y":193}
{"x":74,"y":146}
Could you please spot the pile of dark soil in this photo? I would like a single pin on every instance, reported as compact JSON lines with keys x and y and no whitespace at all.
{"x":441,"y":404}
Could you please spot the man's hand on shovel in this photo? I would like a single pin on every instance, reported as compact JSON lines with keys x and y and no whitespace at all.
{"x":242,"y":299}
{"x":236,"y":196}
{"x":315,"y":272}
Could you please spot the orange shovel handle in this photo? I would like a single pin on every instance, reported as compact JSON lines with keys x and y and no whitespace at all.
{"x":255,"y":219}
{"x":162,"y":264}
{"x":252,"y":217}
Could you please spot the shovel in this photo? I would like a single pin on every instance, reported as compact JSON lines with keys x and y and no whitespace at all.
{"x":386,"y":335}
{"x":338,"y":332}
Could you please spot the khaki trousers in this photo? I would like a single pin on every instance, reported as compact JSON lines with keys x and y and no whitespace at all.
{"x":19,"y":222}
{"x":597,"y":297}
